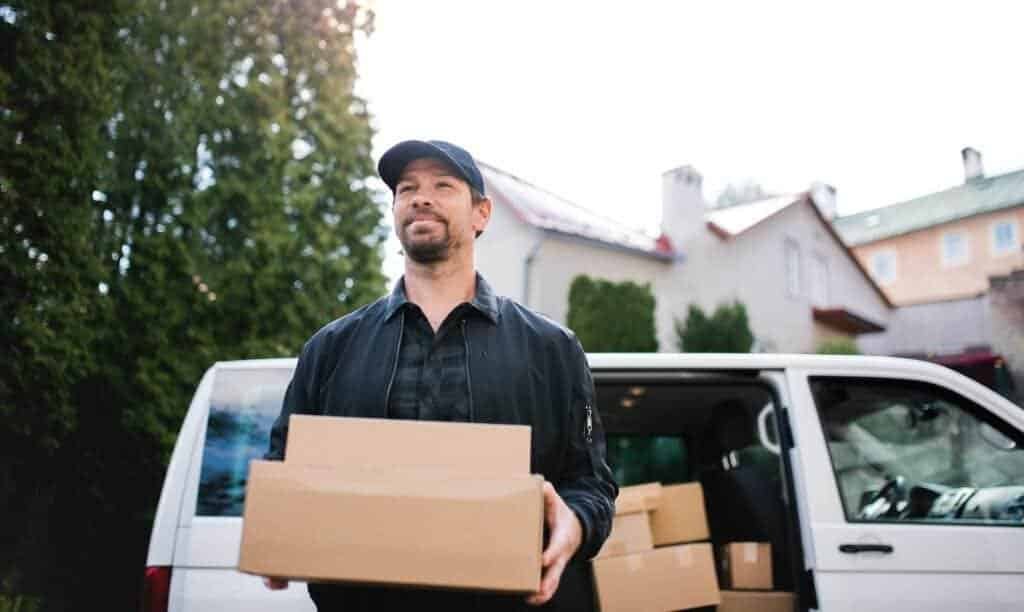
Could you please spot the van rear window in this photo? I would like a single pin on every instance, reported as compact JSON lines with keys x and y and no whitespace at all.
{"x":637,"y":459}
{"x":243,"y":406}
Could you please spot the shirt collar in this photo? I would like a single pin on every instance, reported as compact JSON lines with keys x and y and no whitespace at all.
{"x":484,"y":300}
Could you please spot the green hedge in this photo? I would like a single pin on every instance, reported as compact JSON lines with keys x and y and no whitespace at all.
{"x":612,"y":317}
{"x":727,"y":330}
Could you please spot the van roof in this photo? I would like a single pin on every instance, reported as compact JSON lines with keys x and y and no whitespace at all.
{"x":699,"y":361}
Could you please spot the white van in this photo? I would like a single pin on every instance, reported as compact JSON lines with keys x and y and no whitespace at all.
{"x":882,"y":484}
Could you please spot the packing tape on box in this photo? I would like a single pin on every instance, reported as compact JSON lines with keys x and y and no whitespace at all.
{"x":684,"y":555}
{"x":750,"y":552}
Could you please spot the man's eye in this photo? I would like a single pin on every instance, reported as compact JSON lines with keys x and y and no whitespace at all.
{"x":404,"y":188}
{"x":444,"y":184}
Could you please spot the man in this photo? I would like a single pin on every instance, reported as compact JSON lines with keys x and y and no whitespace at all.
{"x":444,"y":347}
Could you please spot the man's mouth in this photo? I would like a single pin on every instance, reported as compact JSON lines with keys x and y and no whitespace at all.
{"x":418,"y":218}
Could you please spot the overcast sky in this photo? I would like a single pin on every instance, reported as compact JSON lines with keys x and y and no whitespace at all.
{"x":594,"y":100}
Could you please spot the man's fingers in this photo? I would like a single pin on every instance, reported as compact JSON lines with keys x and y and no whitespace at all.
{"x":556,"y":544}
{"x":550,"y":504}
{"x":548,"y":584}
{"x":275,"y":584}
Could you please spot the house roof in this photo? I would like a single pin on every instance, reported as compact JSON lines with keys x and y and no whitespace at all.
{"x":974,"y":197}
{"x":738,"y":218}
{"x":547,"y":211}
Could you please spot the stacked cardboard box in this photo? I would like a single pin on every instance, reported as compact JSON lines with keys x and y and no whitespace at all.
{"x":657,"y":557}
{"x":397,"y":502}
{"x":757,"y":601}
{"x":746,"y":572}
{"x":746,"y":565}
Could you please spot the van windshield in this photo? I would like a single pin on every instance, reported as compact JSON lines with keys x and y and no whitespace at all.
{"x":243,"y":406}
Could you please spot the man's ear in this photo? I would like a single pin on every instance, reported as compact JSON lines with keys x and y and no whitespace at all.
{"x":481,"y":215}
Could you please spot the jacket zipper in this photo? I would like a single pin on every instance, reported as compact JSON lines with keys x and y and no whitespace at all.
{"x":469,"y":379}
{"x":588,"y":429}
{"x":394,"y":368}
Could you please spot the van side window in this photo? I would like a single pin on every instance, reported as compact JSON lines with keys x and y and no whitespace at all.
{"x":243,"y":406}
{"x":914,"y":452}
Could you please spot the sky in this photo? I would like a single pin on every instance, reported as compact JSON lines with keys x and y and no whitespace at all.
{"x":595,"y":100}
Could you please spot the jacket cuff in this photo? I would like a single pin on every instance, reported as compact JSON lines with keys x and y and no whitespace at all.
{"x":583,"y":553}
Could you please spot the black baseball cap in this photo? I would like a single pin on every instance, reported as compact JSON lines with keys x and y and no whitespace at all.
{"x":395,"y":159}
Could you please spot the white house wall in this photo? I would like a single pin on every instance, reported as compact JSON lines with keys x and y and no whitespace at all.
{"x":502,"y":249}
{"x":561,"y":259}
{"x":786,"y":321}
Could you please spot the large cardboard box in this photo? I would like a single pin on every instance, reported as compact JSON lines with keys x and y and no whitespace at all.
{"x":757,"y":601}
{"x":366,"y":509}
{"x":630,"y":533}
{"x":638,"y":498}
{"x":746,"y":565}
{"x":670,"y":578}
{"x":680,"y":516}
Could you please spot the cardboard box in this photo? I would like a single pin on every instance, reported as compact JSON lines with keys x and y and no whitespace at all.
{"x":746,"y":565}
{"x":638,"y":498}
{"x":680,"y":516}
{"x":757,"y":601}
{"x":465,"y":520}
{"x":630,"y":533}
{"x":670,"y":578}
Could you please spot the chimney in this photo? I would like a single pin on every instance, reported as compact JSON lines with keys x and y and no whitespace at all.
{"x":682,"y":204}
{"x":824,"y":197}
{"x":972,"y":164}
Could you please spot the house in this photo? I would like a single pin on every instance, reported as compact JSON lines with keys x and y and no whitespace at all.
{"x":944,"y":245}
{"x":953,"y":263}
{"x":779,"y":256}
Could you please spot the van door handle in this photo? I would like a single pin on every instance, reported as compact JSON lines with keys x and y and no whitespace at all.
{"x":859,"y":548}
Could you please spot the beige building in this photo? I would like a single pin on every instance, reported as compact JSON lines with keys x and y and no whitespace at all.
{"x":945,"y":245}
{"x":779,"y":256}
{"x":954,"y":264}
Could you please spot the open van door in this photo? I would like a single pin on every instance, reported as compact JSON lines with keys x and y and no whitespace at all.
{"x":231,"y":423}
{"x":913,"y":485}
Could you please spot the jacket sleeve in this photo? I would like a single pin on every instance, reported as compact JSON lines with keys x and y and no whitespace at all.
{"x":587,"y":485}
{"x":299,"y":398}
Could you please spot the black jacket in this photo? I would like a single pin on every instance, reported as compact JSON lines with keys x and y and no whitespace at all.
{"x":523,"y":369}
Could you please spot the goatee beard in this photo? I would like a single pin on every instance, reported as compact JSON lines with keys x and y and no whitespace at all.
{"x":426,"y":252}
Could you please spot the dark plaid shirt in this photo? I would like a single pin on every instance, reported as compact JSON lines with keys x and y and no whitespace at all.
{"x":431,"y":381}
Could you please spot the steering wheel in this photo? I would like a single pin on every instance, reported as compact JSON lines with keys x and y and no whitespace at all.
{"x":891,"y":501}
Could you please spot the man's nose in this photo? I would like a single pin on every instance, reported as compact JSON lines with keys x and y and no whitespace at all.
{"x":420,"y":199}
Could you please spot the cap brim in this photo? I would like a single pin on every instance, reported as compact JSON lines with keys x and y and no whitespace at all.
{"x":395,"y":159}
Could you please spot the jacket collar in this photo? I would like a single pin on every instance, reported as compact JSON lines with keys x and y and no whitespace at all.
{"x":484,"y":300}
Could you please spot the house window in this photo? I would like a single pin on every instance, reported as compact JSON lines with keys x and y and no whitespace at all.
{"x":883,"y":267}
{"x":954,"y":249}
{"x":819,"y":281}
{"x":792,"y":268}
{"x":1004,"y":237}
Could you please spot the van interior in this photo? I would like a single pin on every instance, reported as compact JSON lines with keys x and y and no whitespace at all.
{"x":718,"y":430}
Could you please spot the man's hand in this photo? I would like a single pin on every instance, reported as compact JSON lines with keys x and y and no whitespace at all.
{"x":565,"y":536}
{"x":275,"y":584}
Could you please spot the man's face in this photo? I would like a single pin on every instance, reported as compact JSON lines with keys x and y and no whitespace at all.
{"x":434,"y":211}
